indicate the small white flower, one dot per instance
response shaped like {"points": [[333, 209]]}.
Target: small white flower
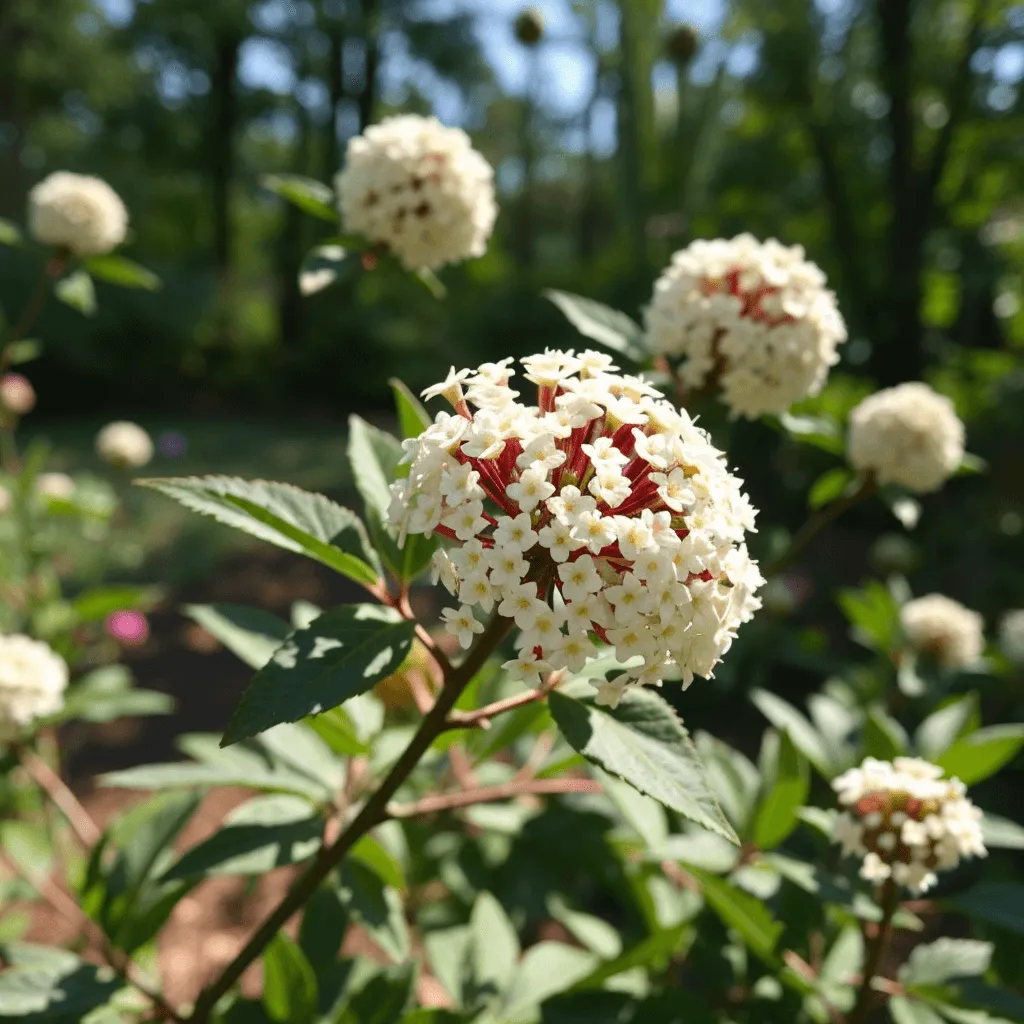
{"points": [[907, 435], [32, 683], [944, 630], [580, 578], [420, 189], [124, 445], [76, 212], [461, 624], [515, 532]]}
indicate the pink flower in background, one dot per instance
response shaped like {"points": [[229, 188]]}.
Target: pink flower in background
{"points": [[128, 627]]}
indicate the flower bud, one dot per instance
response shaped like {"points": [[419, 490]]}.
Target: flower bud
{"points": [[17, 396], [681, 43], [530, 26]]}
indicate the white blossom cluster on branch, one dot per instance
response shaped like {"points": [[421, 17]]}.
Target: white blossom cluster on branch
{"points": [[944, 630], [907, 435], [906, 821], [124, 444], [600, 509], [32, 682], [77, 212], [419, 189], [753, 318]]}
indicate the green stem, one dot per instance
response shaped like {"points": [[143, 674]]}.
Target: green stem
{"points": [[373, 812], [33, 307], [889, 901], [817, 523]]}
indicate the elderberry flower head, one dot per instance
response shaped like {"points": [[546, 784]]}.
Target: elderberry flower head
{"points": [[906, 821], [77, 212], [599, 509], [753, 317], [32, 682], [419, 189], [943, 629], [124, 444]]}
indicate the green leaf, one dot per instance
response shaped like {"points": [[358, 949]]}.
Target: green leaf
{"points": [[982, 753], [883, 736], [323, 928], [374, 456], [77, 291], [431, 282], [748, 916], [123, 272], [342, 653], [829, 486], [594, 933], [787, 719], [337, 730], [413, 419], [99, 602], [377, 907], [250, 634], [28, 845], [545, 970], [182, 775], [939, 961], [24, 350], [998, 903], [289, 984], [873, 615], [493, 948], [106, 694], [941, 729], [784, 792], [644, 815], [10, 233], [1001, 833], [912, 1011], [643, 742], [258, 836], [371, 852], [280, 514], [818, 431], [384, 999], [601, 323], [307, 194], [58, 989]]}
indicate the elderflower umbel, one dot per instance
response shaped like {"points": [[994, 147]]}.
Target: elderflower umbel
{"points": [[943, 629], [755, 317], [907, 435], [1011, 635], [124, 445], [600, 509], [32, 683], [906, 821], [76, 212], [419, 189]]}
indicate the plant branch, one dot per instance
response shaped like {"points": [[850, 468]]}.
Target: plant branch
{"points": [[889, 901], [481, 717], [818, 522], [64, 904], [490, 794], [423, 635], [54, 787], [373, 812]]}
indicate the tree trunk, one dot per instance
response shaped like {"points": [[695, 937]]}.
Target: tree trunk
{"points": [[371, 33], [224, 102], [336, 91], [898, 354]]}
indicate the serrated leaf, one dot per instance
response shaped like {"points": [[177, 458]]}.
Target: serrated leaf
{"points": [[280, 514], [747, 915], [123, 272], [77, 291], [251, 634], [998, 903], [258, 836], [937, 962], [787, 719], [982, 753], [308, 194], [601, 323], [342, 653], [289, 983], [643, 742], [784, 792], [374, 456]]}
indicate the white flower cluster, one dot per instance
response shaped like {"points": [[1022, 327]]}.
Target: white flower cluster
{"points": [[77, 212], [907, 435], [943, 629], [55, 485], [124, 445], [420, 189], [32, 683], [1011, 635], [755, 316], [906, 821], [601, 508]]}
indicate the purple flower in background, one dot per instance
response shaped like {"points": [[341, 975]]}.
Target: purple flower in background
{"points": [[128, 627], [171, 444]]}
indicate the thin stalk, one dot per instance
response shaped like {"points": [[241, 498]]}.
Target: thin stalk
{"points": [[889, 899], [55, 788], [372, 813], [33, 307], [490, 794]]}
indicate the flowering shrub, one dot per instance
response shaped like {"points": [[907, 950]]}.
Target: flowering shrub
{"points": [[489, 807]]}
